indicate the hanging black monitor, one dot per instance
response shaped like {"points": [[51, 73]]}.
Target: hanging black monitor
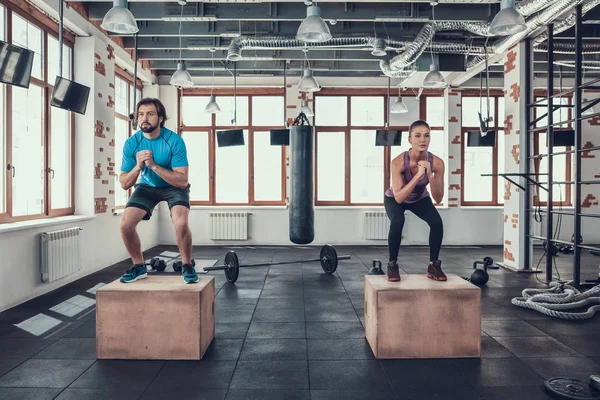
{"points": [[15, 65], [230, 137], [69, 95], [385, 137], [280, 137], [564, 138], [475, 139]]}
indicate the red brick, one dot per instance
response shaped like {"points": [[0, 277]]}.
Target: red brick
{"points": [[99, 94], [595, 121], [101, 149], [587, 154], [453, 119], [291, 106], [105, 182], [457, 172], [507, 242], [455, 140], [509, 65], [99, 129], [450, 157], [111, 52], [111, 144], [508, 125], [97, 56], [507, 186], [111, 85], [111, 191], [590, 200], [516, 92], [111, 102], [97, 171], [454, 187], [100, 68], [515, 153], [508, 255]]}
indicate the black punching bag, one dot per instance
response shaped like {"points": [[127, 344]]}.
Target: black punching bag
{"points": [[302, 214]]}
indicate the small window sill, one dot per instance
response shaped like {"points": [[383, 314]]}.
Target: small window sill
{"points": [[24, 225]]}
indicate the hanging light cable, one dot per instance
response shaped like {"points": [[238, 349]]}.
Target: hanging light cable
{"points": [[434, 79], [212, 106], [181, 77]]}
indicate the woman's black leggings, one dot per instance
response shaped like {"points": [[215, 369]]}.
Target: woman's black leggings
{"points": [[423, 209]]}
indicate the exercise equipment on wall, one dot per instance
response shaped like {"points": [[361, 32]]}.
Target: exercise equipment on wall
{"points": [[573, 389], [328, 258]]}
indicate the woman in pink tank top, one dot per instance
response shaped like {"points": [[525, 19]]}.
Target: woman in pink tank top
{"points": [[412, 171]]}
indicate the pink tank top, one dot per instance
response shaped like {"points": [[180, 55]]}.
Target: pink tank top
{"points": [[420, 190]]}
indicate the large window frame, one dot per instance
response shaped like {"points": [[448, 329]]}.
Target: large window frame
{"points": [[211, 130], [47, 28], [498, 126]]}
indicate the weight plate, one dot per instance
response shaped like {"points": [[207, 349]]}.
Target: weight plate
{"points": [[329, 259], [233, 266], [177, 265], [571, 389]]}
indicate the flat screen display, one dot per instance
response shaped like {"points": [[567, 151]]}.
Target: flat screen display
{"points": [[69, 95], [474, 139], [386, 137], [280, 137], [15, 65], [230, 137]]}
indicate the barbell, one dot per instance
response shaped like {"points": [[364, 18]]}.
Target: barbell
{"points": [[328, 258]]}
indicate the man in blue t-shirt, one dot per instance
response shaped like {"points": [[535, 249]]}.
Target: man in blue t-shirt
{"points": [[160, 155]]}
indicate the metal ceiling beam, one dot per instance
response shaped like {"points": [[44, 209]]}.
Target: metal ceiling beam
{"points": [[199, 55], [340, 11]]}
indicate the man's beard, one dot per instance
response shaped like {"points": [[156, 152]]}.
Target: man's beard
{"points": [[145, 127]]}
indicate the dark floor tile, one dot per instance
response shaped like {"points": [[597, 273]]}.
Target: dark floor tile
{"points": [[231, 330], [423, 372], [513, 393], [279, 315], [223, 349], [235, 394], [382, 394], [339, 349], [364, 375], [574, 328], [490, 348], [271, 375], [274, 349], [70, 348], [327, 330], [331, 315], [517, 328], [14, 347], [588, 345], [286, 302], [233, 315], [277, 330], [9, 363], [45, 373], [574, 367], [498, 372], [186, 392], [118, 374], [100, 394], [281, 293], [233, 292], [432, 390], [545, 346], [337, 302], [190, 377], [492, 311], [28, 393]]}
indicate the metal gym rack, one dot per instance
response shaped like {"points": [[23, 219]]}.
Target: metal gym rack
{"points": [[577, 119]]}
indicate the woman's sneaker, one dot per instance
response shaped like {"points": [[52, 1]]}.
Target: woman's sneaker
{"points": [[434, 271], [189, 273], [393, 271], [138, 271]]}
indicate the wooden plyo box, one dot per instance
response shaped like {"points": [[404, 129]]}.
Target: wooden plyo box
{"points": [[421, 318], [160, 317]]}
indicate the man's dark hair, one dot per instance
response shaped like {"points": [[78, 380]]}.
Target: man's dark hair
{"points": [[417, 124], [160, 109]]}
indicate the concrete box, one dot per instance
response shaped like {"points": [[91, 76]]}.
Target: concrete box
{"points": [[160, 317], [421, 318]]}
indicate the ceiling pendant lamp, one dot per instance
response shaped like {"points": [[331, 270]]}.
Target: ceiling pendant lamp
{"points": [[119, 19], [508, 20], [313, 29]]}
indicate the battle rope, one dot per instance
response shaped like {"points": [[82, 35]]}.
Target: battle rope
{"points": [[558, 298]]}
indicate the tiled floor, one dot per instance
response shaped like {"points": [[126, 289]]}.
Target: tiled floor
{"points": [[292, 332]]}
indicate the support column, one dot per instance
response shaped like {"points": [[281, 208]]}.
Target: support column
{"points": [[453, 100]]}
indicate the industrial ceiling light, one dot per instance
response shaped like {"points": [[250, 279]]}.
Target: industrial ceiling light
{"points": [[508, 21], [306, 109], [434, 78], [212, 106], [308, 82], [399, 107], [313, 29], [119, 19], [181, 77]]}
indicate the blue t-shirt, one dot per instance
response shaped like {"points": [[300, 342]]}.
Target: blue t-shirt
{"points": [[168, 151]]}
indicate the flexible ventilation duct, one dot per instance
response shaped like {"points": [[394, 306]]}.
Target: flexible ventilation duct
{"points": [[569, 48], [585, 64], [566, 23]]}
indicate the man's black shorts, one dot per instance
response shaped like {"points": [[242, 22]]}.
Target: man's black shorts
{"points": [[147, 197]]}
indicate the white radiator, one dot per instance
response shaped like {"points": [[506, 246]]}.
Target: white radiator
{"points": [[376, 225], [229, 225], [59, 254]]}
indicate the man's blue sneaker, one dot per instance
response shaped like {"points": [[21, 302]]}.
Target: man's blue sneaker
{"points": [[189, 273], [134, 273]]}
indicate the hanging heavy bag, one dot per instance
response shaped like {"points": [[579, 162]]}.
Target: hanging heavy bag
{"points": [[301, 212]]}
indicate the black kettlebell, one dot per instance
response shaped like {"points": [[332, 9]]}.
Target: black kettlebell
{"points": [[376, 269], [480, 277]]}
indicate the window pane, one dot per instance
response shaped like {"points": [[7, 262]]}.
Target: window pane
{"points": [[436, 111], [501, 164], [29, 36], [501, 116], [471, 107], [226, 103], [138, 97], [2, 151], [478, 160], [395, 151], [197, 144], [366, 110], [267, 111], [408, 118], [331, 162], [231, 172], [331, 111], [438, 147], [122, 128], [192, 111], [559, 115], [27, 151], [267, 168], [366, 168], [53, 57], [559, 171], [60, 157], [121, 88]]}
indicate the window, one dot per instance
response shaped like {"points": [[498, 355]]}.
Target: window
{"points": [[252, 174], [37, 139], [124, 105], [481, 190]]}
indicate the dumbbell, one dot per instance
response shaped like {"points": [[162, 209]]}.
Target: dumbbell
{"points": [[157, 264], [178, 265]]}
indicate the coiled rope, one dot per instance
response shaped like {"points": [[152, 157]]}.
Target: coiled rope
{"points": [[559, 298]]}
